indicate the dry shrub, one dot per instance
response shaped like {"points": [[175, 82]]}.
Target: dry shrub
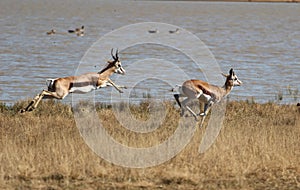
{"points": [[257, 148]]}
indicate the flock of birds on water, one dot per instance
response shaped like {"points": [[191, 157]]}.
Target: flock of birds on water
{"points": [[77, 31], [80, 31]]}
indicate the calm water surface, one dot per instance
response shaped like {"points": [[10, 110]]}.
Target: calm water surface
{"points": [[260, 41]]}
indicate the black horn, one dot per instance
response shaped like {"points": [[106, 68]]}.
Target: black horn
{"points": [[111, 52], [231, 72], [117, 57]]}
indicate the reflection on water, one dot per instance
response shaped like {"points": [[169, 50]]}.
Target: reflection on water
{"points": [[260, 41]]}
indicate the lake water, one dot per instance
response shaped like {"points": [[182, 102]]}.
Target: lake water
{"points": [[261, 41]]}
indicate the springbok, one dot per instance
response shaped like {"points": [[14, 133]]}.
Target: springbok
{"points": [[206, 93], [59, 88]]}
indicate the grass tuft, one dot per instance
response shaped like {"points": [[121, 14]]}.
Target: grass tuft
{"points": [[257, 148]]}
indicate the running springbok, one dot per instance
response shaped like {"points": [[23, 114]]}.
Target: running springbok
{"points": [[59, 88], [206, 93]]}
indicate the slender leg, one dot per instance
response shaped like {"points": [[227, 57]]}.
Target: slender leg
{"points": [[184, 102], [29, 107], [48, 94], [207, 107], [37, 99], [204, 114], [205, 110], [193, 113], [176, 96], [202, 121], [114, 85]]}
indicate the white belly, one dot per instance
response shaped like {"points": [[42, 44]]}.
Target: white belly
{"points": [[82, 89], [103, 85], [204, 98]]}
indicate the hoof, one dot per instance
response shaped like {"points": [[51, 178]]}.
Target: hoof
{"points": [[181, 114], [202, 114], [26, 110]]}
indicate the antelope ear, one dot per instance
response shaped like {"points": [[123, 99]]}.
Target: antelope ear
{"points": [[224, 75]]}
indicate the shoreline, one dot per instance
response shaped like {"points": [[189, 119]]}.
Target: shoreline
{"points": [[256, 1], [259, 1]]}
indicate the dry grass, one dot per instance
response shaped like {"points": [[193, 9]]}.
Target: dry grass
{"points": [[258, 148]]}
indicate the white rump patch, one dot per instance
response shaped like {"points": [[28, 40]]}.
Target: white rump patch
{"points": [[50, 83], [178, 88]]}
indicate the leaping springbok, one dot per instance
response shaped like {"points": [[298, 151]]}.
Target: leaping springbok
{"points": [[59, 88], [206, 93]]}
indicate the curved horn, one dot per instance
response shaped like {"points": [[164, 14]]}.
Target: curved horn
{"points": [[117, 57], [231, 72], [112, 55]]}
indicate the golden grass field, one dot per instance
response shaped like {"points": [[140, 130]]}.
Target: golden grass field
{"points": [[257, 148]]}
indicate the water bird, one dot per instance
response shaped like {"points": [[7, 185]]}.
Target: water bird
{"points": [[78, 31], [174, 31], [153, 31], [51, 32]]}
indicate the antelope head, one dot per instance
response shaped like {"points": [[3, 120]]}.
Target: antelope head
{"points": [[232, 79], [116, 63]]}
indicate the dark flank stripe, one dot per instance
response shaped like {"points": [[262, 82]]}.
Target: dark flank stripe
{"points": [[79, 84], [206, 91]]}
